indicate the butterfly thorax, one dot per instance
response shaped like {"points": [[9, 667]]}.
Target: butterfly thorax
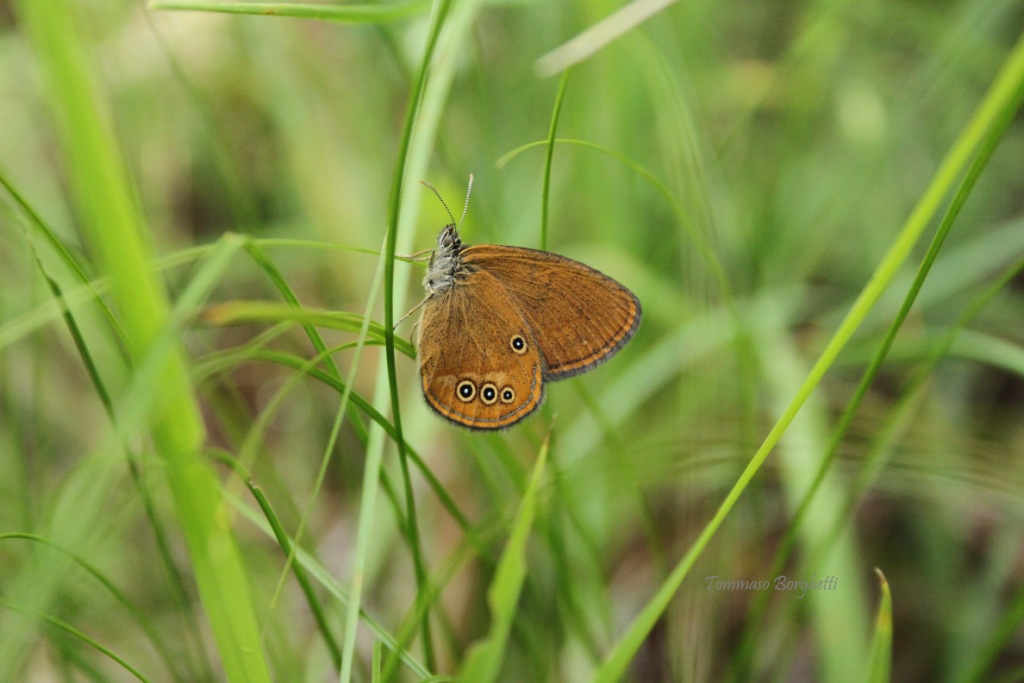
{"points": [[445, 263]]}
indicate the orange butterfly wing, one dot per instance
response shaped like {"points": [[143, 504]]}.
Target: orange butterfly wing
{"points": [[579, 316], [479, 363]]}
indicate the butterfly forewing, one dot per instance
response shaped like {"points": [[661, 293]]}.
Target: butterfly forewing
{"points": [[578, 316]]}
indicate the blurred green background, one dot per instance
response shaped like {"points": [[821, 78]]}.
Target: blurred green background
{"points": [[743, 167]]}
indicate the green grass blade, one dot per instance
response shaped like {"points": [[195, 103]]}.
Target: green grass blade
{"points": [[423, 113], [244, 312], [327, 579], [705, 248], [71, 630], [371, 474], [143, 623], [115, 230], [483, 661], [272, 271], [40, 226], [598, 36], [350, 14], [156, 523], [986, 148], [880, 659], [1002, 95], [298, 570], [549, 154], [270, 268]]}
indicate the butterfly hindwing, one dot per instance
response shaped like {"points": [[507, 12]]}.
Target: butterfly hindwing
{"points": [[480, 366]]}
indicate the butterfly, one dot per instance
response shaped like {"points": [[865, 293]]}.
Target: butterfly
{"points": [[501, 322]]}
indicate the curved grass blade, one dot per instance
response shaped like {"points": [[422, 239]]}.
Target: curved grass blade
{"points": [[115, 229], [483, 662], [350, 14], [155, 522], [549, 154], [68, 628], [1003, 94], [145, 626], [987, 147], [65, 255], [599, 35], [388, 372], [242, 312], [880, 661], [326, 579]]}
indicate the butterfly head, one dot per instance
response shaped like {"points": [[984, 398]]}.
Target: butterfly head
{"points": [[449, 240]]}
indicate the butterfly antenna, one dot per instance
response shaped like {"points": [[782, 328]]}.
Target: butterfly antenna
{"points": [[440, 199], [465, 206]]}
